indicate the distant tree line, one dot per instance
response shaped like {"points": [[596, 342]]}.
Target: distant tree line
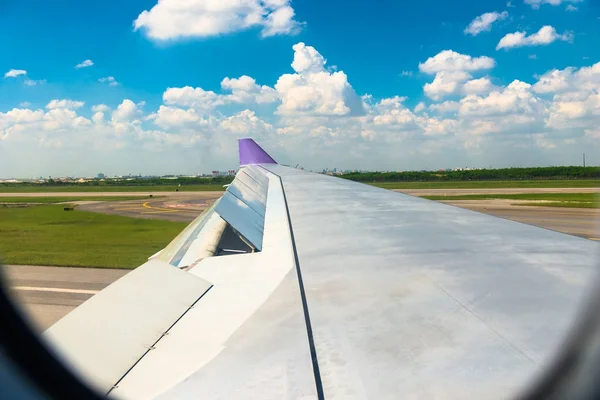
{"points": [[220, 180], [503, 174]]}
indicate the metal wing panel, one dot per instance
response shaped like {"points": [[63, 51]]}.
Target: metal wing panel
{"points": [[242, 218], [257, 174], [415, 297], [105, 336], [247, 192], [255, 345]]}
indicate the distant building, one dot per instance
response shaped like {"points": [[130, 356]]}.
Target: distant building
{"points": [[101, 176], [223, 173]]}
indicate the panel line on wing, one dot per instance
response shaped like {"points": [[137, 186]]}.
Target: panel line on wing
{"points": [[309, 331], [116, 385]]}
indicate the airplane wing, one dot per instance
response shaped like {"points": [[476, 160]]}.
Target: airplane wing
{"points": [[298, 285]]}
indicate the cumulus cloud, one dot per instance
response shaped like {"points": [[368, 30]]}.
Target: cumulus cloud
{"points": [[453, 74], [445, 107], [109, 80], [64, 103], [126, 111], [546, 35], [483, 23], [314, 90], [13, 73], [247, 123], [575, 95], [100, 108], [517, 97], [449, 60], [84, 64], [420, 107], [174, 19], [315, 118], [174, 117], [446, 83], [569, 79], [535, 4], [190, 97], [245, 90]]}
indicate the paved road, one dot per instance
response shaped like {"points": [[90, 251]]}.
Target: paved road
{"points": [[46, 294]]}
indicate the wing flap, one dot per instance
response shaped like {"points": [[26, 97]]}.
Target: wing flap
{"points": [[108, 334]]}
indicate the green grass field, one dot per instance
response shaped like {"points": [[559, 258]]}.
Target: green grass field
{"points": [[562, 204], [65, 199], [489, 184], [572, 200], [74, 188], [47, 235]]}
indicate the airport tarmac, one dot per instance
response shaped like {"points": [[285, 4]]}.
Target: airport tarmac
{"points": [[48, 293], [184, 207]]}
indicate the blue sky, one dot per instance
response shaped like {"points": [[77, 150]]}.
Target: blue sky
{"points": [[380, 110]]}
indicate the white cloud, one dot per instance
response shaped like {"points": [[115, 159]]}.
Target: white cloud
{"points": [[84, 64], [569, 79], [478, 86], [532, 57], [500, 125], [576, 99], [452, 74], [446, 83], [484, 22], [406, 73], [571, 7], [126, 111], [13, 73], [25, 104], [174, 19], [190, 97], [100, 108], [57, 119], [535, 4], [65, 103], [173, 117], [445, 107], [247, 123], [546, 35], [110, 80], [515, 98], [420, 107], [313, 90], [448, 60], [245, 90], [31, 82]]}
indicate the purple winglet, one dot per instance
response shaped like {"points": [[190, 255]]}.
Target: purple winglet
{"points": [[252, 153]]}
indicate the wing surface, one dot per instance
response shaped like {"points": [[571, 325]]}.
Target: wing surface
{"points": [[326, 288]]}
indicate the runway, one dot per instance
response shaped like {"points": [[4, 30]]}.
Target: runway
{"points": [[46, 294]]}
